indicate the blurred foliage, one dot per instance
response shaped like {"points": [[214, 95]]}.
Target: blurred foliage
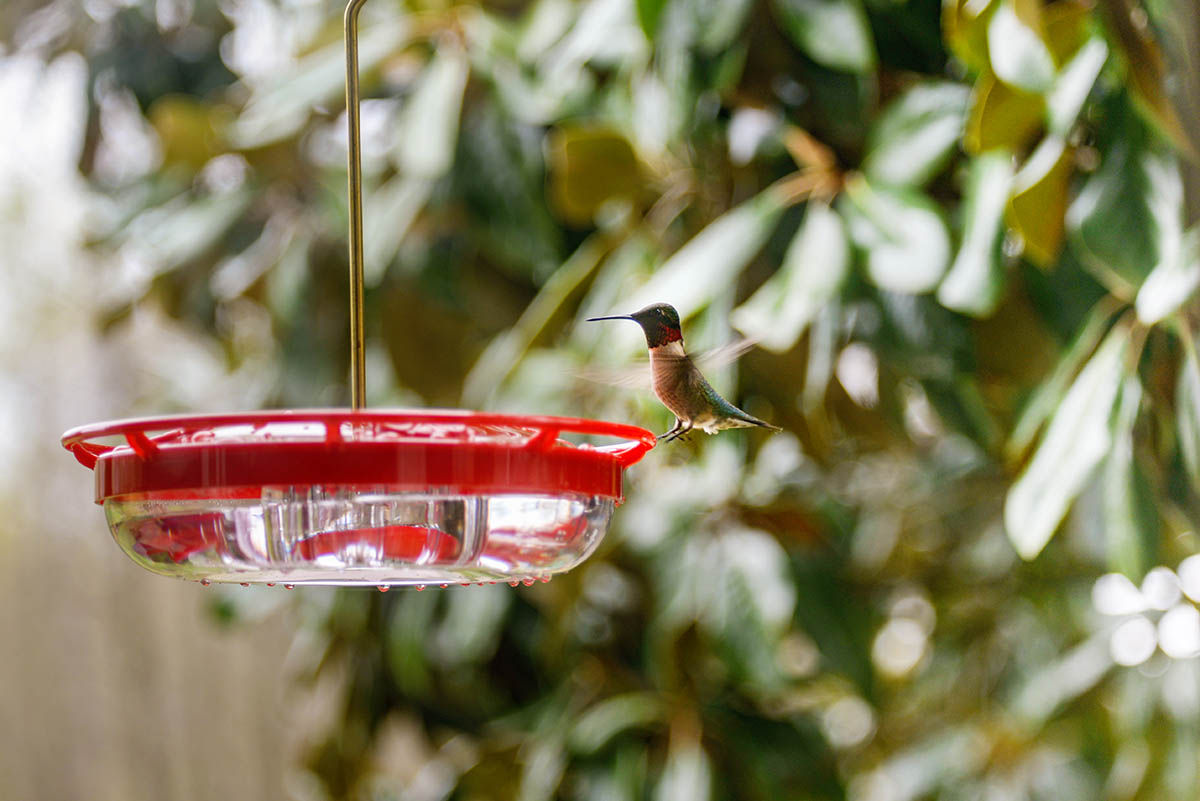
{"points": [[957, 233]]}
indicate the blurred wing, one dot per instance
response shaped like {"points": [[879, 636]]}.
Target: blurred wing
{"points": [[634, 376], [723, 355]]}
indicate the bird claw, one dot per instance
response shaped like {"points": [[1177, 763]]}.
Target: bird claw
{"points": [[678, 432]]}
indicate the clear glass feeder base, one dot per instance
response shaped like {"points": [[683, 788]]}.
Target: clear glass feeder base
{"points": [[351, 536]]}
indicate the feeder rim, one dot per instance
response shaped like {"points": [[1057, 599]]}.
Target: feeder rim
{"points": [[80, 440]]}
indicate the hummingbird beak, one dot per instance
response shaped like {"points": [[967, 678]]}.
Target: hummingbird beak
{"points": [[613, 317]]}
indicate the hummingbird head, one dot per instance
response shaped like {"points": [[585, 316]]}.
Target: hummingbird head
{"points": [[659, 322]]}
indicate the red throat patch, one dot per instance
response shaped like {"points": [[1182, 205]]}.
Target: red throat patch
{"points": [[663, 335]]}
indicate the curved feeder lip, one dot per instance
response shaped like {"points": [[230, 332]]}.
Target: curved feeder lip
{"points": [[358, 497]]}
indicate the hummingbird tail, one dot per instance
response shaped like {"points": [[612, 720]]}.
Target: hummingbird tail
{"points": [[750, 420]]}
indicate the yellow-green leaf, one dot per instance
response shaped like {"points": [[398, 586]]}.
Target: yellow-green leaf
{"points": [[1001, 116], [964, 29], [191, 131], [1065, 28], [1039, 200], [590, 167]]}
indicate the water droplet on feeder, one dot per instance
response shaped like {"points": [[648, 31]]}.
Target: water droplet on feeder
{"points": [[420, 587], [514, 583], [528, 582], [270, 584], [383, 588], [545, 579], [464, 584], [244, 583], [444, 586], [204, 582], [289, 586]]}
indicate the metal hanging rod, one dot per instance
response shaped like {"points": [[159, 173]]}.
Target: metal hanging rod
{"points": [[358, 367]]}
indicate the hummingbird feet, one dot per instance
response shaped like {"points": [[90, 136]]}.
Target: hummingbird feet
{"points": [[680, 429]]}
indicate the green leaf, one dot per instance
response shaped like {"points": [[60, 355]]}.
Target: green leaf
{"points": [[974, 282], [648, 13], [1187, 407], [901, 233], [281, 106], [471, 629], [747, 600], [710, 262], [542, 768], [833, 33], [428, 126], [1147, 72], [497, 361], [687, 774], [1018, 55], [1062, 681], [605, 720], [719, 22], [1073, 85], [389, 212], [1172, 282], [1047, 397], [915, 136], [1129, 516], [1128, 217], [1077, 439], [407, 643], [814, 268], [183, 229], [823, 343]]}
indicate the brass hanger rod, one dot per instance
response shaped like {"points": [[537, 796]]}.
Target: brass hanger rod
{"points": [[358, 367]]}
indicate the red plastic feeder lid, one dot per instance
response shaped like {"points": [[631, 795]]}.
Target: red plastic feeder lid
{"points": [[236, 455]]}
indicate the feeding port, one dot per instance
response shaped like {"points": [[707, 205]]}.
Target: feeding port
{"points": [[353, 497]]}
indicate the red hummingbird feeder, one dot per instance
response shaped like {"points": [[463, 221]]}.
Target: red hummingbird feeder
{"points": [[357, 497]]}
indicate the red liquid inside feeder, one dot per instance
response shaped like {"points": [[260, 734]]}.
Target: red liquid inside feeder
{"points": [[354, 497]]}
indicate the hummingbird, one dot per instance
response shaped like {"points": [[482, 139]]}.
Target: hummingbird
{"points": [[676, 380]]}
